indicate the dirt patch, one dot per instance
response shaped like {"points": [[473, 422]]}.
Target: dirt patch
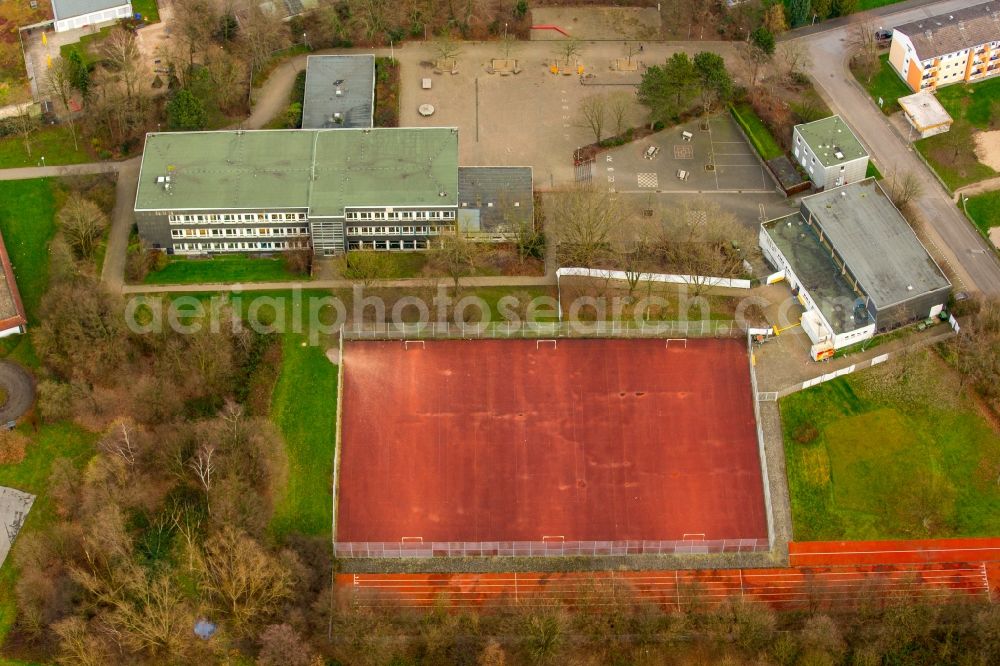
{"points": [[988, 148], [591, 23]]}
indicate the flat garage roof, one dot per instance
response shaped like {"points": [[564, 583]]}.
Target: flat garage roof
{"points": [[338, 87], [876, 242]]}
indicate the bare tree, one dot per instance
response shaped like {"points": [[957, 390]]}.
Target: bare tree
{"points": [[25, 125], [193, 24], [247, 583], [569, 48], [446, 50], [795, 56], [122, 55], [618, 107], [594, 114], [700, 240], [902, 187], [228, 79], [203, 466], [82, 223], [457, 256], [58, 83], [754, 58], [120, 441], [261, 35], [863, 43], [579, 223]]}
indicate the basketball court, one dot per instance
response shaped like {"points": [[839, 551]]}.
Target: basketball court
{"points": [[551, 442]]}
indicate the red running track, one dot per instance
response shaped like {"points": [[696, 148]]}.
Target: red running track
{"points": [[825, 575], [808, 553], [518, 440]]}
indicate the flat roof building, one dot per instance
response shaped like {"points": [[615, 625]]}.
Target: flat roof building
{"points": [[925, 114], [494, 201], [829, 152], [12, 317], [73, 14], [957, 46], [339, 91], [855, 265], [331, 189]]}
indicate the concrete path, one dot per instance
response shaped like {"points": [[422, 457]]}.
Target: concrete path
{"points": [[487, 281], [113, 272], [25, 173], [954, 238], [981, 187]]}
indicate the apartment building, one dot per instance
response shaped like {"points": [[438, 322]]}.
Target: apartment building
{"points": [[959, 46]]}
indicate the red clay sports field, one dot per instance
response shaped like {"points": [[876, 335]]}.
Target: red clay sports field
{"points": [[470, 443]]}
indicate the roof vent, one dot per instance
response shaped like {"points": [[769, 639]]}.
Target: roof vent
{"points": [[909, 287], [339, 92], [838, 154], [843, 194], [442, 193]]}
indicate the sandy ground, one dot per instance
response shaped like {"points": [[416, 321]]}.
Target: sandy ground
{"points": [[995, 236], [988, 149], [597, 22]]}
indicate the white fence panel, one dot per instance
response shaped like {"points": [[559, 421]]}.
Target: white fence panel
{"points": [[732, 283]]}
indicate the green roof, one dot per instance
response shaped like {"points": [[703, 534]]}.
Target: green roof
{"points": [[323, 170], [828, 136]]}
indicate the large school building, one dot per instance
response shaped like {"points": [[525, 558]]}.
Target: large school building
{"points": [[329, 189]]}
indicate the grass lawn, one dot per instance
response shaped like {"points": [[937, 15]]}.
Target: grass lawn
{"points": [[32, 475], [970, 102], [27, 221], [984, 209], [885, 84], [873, 171], [891, 452], [150, 12], [89, 45], [759, 135], [222, 269], [304, 408], [964, 169], [55, 144], [870, 4]]}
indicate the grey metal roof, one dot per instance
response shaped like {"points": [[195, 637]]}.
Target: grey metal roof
{"points": [[875, 242], [353, 76], [502, 195], [64, 9], [954, 31]]}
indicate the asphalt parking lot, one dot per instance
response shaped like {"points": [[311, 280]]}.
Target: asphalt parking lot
{"points": [[688, 159]]}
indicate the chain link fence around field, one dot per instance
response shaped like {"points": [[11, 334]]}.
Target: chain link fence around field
{"points": [[544, 330], [551, 548]]}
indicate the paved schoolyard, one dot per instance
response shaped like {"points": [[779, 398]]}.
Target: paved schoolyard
{"points": [[531, 118], [14, 507], [716, 159]]}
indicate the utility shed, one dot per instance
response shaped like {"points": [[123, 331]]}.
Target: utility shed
{"points": [[829, 152], [339, 91], [925, 114]]}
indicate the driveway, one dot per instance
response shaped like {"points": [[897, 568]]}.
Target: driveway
{"points": [[949, 233]]}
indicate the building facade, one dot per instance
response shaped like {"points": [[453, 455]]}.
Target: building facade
{"points": [[829, 152], [74, 14], [962, 46], [854, 264]]}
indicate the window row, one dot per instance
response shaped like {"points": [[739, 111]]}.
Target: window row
{"points": [[389, 245], [239, 247], [403, 215], [235, 218], [395, 231], [252, 232]]}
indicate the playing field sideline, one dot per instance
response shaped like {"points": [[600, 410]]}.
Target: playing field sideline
{"points": [[525, 440]]}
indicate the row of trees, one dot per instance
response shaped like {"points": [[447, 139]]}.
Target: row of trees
{"points": [[592, 228]]}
